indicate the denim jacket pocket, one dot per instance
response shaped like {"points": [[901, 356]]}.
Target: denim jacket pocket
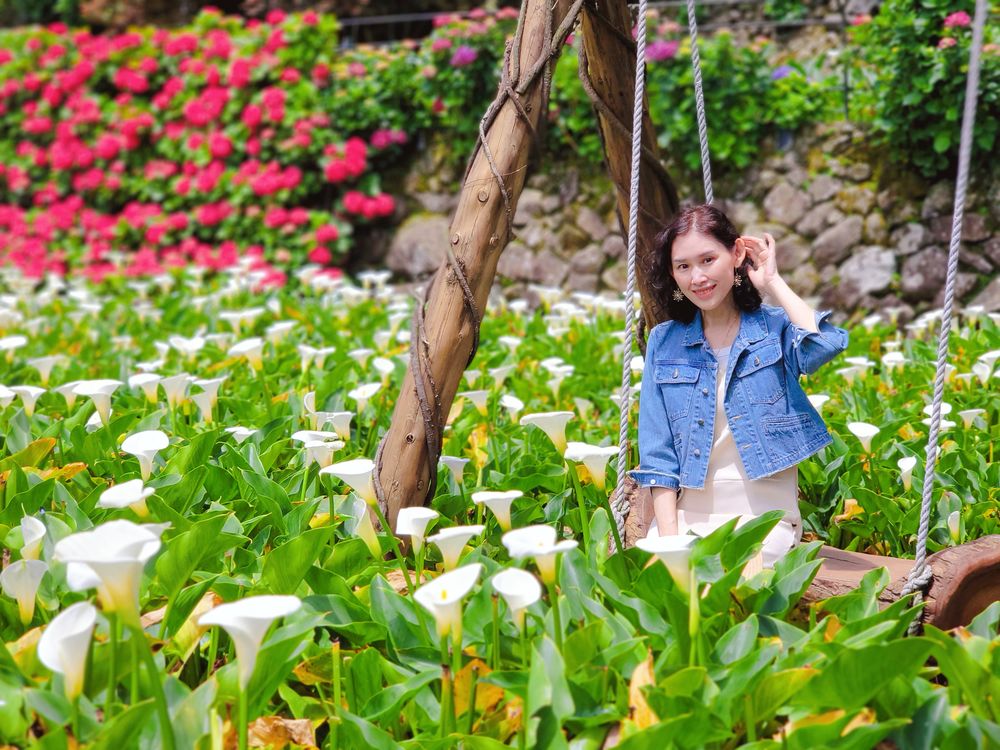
{"points": [[677, 382], [762, 374]]}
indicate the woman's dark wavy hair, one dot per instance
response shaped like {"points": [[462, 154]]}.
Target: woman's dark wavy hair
{"points": [[708, 220]]}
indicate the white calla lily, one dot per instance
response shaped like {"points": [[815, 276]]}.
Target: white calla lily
{"points": [[594, 457], [479, 399], [863, 432], [252, 350], [499, 504], [906, 465], [115, 552], [538, 542], [240, 433], [359, 523], [363, 394], [247, 621], [454, 464], [29, 395], [45, 365], [20, 581], [442, 597], [818, 400], [674, 552], [144, 446], [969, 415], [552, 423], [131, 494], [955, 526], [65, 643], [451, 542], [175, 388], [519, 589], [98, 391], [413, 522], [32, 536], [148, 382], [357, 474]]}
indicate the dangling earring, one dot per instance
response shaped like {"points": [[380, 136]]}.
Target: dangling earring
{"points": [[678, 295], [737, 279]]}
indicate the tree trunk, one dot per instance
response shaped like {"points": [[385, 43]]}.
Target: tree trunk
{"points": [[609, 53], [479, 232]]}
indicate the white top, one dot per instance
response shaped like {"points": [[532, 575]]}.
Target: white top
{"points": [[728, 491]]}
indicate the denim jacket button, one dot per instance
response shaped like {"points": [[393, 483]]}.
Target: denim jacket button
{"points": [[704, 391], [676, 373], [652, 481], [701, 421], [756, 360], [697, 452]]}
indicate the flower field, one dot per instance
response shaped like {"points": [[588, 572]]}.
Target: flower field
{"points": [[189, 548]]}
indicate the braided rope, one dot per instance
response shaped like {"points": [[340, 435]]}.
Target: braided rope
{"points": [[921, 575], [620, 506], [699, 100]]}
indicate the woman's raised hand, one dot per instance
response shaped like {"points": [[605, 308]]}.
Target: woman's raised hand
{"points": [[764, 265]]}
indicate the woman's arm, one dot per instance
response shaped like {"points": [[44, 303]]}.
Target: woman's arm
{"points": [[665, 510], [764, 275]]}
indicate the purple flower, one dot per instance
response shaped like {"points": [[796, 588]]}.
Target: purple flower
{"points": [[463, 55], [662, 50], [782, 71]]}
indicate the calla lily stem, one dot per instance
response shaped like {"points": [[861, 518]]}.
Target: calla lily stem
{"points": [[335, 726], [153, 673], [556, 616], [113, 631], [495, 653], [584, 519], [244, 720], [447, 711], [694, 618]]}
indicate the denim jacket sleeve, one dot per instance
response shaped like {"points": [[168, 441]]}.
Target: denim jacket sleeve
{"points": [[658, 462], [806, 351]]}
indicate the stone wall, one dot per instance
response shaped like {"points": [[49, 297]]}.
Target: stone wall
{"points": [[852, 234]]}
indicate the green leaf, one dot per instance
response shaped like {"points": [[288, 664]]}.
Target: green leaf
{"points": [[360, 733], [547, 684], [287, 565], [124, 728]]}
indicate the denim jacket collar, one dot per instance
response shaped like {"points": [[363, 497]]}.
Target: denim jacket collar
{"points": [[753, 327]]}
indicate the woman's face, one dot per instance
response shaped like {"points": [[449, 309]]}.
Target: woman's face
{"points": [[704, 269]]}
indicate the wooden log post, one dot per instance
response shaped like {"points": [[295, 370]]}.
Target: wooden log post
{"points": [[446, 326], [607, 70]]}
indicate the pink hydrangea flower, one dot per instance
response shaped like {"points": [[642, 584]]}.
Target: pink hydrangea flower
{"points": [[958, 19]]}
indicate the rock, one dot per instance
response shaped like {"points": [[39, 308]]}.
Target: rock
{"points": [[900, 212], [418, 246], [614, 277], [875, 229], [974, 227], [548, 269], [973, 259], [852, 170], [589, 260], [793, 251], [940, 199], [964, 284], [860, 7], [437, 203], [767, 179], [759, 230], [855, 200], [569, 186], [516, 262], [528, 205], [909, 238], [804, 279], [742, 213], [991, 249], [797, 177], [551, 203], [572, 238], [824, 187], [867, 271], [923, 274], [989, 297], [537, 235], [818, 218], [785, 204], [833, 245], [591, 223], [582, 282], [614, 246]]}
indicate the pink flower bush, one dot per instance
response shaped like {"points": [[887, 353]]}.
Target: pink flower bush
{"points": [[956, 20]]}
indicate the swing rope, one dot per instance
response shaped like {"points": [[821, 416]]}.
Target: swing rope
{"points": [[699, 101], [621, 506], [921, 575]]}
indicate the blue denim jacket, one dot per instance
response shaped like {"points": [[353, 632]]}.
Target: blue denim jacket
{"points": [[769, 414]]}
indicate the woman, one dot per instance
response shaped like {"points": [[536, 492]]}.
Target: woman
{"points": [[723, 420]]}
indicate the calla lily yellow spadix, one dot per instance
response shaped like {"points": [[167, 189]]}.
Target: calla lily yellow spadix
{"points": [[442, 597], [246, 621], [65, 642]]}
